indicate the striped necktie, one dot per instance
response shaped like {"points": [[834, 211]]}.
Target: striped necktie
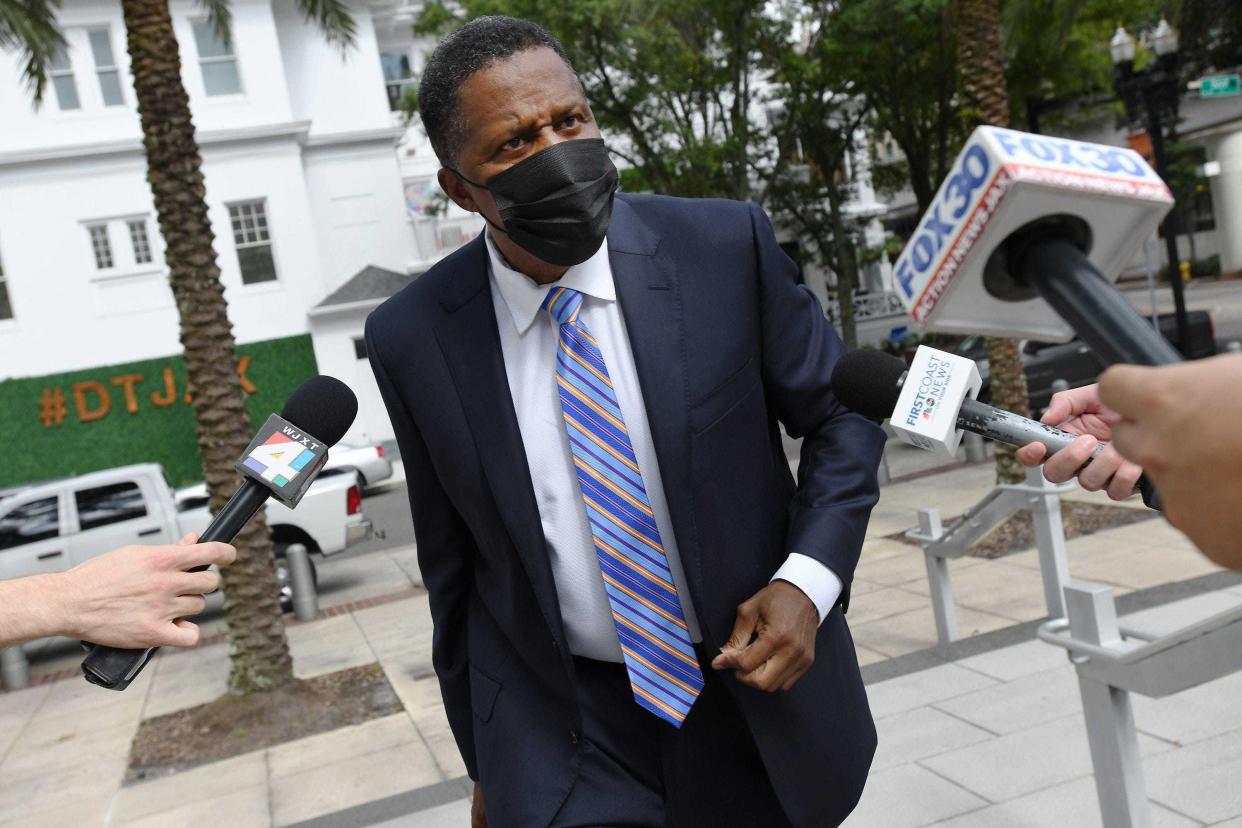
{"points": [[655, 641]]}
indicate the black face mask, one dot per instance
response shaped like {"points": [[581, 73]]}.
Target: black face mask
{"points": [[556, 204]]}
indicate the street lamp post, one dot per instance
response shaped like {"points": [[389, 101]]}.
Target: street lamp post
{"points": [[1150, 95]]}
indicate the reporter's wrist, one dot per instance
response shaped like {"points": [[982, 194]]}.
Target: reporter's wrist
{"points": [[63, 606]]}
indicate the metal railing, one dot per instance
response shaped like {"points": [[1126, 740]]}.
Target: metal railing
{"points": [[940, 545], [1114, 660]]}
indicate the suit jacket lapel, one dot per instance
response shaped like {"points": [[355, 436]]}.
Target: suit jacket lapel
{"points": [[470, 343], [651, 303]]}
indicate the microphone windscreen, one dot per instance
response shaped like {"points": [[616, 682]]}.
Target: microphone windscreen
{"points": [[323, 407], [866, 382]]}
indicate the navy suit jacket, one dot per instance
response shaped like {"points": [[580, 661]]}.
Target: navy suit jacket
{"points": [[726, 345]]}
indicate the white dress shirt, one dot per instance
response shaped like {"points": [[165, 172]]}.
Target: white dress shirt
{"points": [[528, 341]]}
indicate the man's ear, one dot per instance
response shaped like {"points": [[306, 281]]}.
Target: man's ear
{"points": [[456, 188]]}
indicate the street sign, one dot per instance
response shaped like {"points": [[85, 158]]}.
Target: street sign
{"points": [[1220, 86]]}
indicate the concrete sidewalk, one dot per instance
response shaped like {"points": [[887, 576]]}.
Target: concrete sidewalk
{"points": [[65, 745], [992, 739], [998, 739]]}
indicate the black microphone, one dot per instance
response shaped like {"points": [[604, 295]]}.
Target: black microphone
{"points": [[282, 461], [870, 382]]}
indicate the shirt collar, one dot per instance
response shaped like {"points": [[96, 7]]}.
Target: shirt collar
{"points": [[524, 296]]}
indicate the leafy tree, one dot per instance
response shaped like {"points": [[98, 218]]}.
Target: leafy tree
{"points": [[29, 28], [1211, 33], [817, 115], [901, 58], [257, 644]]}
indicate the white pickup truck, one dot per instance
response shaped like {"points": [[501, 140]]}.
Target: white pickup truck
{"points": [[53, 526]]}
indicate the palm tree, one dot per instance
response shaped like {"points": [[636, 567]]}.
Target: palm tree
{"points": [[981, 64], [257, 645]]}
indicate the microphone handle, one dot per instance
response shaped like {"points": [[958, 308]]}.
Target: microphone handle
{"points": [[1005, 427], [237, 512], [113, 667]]}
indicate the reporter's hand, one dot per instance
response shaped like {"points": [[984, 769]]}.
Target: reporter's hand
{"points": [[782, 621], [138, 596], [1080, 411], [478, 812], [1181, 422]]}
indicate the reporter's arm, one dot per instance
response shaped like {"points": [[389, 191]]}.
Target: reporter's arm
{"points": [[32, 608], [133, 597], [1181, 422]]}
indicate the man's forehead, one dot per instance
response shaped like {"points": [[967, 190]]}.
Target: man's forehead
{"points": [[515, 89]]}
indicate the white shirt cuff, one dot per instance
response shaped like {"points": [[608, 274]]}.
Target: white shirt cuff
{"points": [[819, 582]]}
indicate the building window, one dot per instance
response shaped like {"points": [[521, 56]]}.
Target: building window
{"points": [[61, 73], [119, 258], [6, 308], [397, 76], [254, 243], [360, 348], [141, 242], [105, 68], [101, 246], [217, 61]]}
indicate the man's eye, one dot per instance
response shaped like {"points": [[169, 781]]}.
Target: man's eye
{"points": [[514, 143], [571, 122]]}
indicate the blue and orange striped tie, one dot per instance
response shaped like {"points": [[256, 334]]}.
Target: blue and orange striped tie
{"points": [[655, 641]]}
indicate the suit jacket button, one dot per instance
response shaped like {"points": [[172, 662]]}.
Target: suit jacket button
{"points": [[573, 737]]}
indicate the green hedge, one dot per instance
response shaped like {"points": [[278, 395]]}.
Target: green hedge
{"points": [[37, 447]]}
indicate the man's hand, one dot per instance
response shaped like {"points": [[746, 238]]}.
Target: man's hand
{"points": [[138, 596], [773, 641], [1181, 422], [1079, 411], [478, 812]]}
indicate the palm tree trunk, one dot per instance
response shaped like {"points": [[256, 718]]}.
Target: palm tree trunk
{"points": [[981, 63], [257, 645]]}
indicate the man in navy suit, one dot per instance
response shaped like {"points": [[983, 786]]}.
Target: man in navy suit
{"points": [[639, 616]]}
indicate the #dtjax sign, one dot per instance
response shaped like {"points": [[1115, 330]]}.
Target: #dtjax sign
{"points": [[1001, 181], [934, 389], [283, 458]]}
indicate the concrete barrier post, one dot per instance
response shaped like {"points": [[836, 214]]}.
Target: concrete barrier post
{"points": [[305, 598], [14, 668], [976, 448], [882, 474]]}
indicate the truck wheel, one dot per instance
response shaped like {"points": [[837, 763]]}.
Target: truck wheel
{"points": [[284, 582]]}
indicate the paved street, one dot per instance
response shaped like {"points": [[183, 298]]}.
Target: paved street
{"points": [[389, 511], [1223, 300]]}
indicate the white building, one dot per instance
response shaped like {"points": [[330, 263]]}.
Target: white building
{"points": [[311, 179]]}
